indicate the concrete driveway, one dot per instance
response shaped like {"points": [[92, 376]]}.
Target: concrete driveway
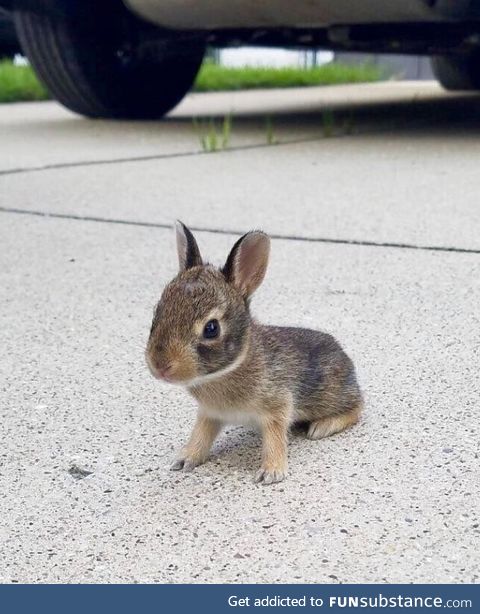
{"points": [[376, 218]]}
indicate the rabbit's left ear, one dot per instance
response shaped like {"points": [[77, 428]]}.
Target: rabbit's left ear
{"points": [[247, 262], [187, 248]]}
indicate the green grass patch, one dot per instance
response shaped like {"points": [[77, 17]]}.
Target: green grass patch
{"points": [[216, 78], [19, 83], [213, 136]]}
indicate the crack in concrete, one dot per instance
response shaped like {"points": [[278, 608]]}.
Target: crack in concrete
{"points": [[223, 231], [150, 157]]}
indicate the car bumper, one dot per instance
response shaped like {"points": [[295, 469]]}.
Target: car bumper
{"points": [[218, 14]]}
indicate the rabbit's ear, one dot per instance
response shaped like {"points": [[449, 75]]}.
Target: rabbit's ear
{"points": [[187, 248], [247, 262]]}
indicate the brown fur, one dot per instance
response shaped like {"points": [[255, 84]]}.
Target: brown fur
{"points": [[264, 375]]}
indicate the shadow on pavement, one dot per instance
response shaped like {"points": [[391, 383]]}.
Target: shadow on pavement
{"points": [[432, 115]]}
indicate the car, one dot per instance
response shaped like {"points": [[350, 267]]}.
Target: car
{"points": [[138, 58]]}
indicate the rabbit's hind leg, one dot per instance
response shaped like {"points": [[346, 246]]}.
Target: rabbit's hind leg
{"points": [[333, 424]]}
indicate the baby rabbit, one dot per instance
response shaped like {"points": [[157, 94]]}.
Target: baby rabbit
{"points": [[203, 337]]}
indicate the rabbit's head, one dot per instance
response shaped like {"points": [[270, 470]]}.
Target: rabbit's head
{"points": [[201, 325]]}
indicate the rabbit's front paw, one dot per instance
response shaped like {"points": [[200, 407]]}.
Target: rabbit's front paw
{"points": [[270, 476], [185, 464]]}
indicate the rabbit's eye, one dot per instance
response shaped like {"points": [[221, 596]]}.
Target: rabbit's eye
{"points": [[211, 329]]}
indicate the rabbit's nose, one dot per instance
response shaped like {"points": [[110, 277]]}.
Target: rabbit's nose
{"points": [[165, 372]]}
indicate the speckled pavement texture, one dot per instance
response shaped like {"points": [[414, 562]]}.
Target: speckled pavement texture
{"points": [[87, 435]]}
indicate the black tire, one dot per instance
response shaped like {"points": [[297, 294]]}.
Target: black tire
{"points": [[9, 44], [91, 61], [457, 72]]}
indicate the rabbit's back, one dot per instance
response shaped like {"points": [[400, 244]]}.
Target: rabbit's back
{"points": [[313, 366]]}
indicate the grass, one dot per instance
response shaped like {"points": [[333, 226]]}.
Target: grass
{"points": [[216, 78], [270, 133], [19, 83], [328, 122], [211, 137]]}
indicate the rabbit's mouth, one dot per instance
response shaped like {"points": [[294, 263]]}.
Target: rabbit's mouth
{"points": [[170, 372], [164, 375], [157, 372]]}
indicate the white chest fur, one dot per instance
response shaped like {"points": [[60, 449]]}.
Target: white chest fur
{"points": [[232, 416]]}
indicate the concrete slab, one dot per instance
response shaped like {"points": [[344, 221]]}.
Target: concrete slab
{"points": [[42, 134], [392, 500], [415, 188], [312, 99]]}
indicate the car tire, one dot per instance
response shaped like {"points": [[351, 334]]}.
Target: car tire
{"points": [[91, 63], [457, 72], [8, 38]]}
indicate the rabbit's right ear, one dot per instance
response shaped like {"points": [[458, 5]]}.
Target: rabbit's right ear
{"points": [[187, 248], [247, 263]]}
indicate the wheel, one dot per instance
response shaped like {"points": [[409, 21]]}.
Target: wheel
{"points": [[457, 72], [107, 63], [9, 44]]}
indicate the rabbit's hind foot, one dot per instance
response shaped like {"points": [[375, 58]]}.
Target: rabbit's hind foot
{"points": [[333, 424]]}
